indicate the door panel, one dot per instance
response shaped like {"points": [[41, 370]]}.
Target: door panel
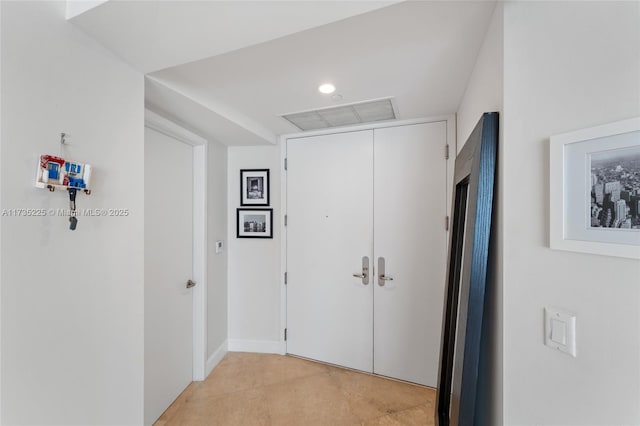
{"points": [[330, 229], [409, 211], [168, 233]]}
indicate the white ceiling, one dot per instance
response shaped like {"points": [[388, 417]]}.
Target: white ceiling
{"points": [[231, 129], [156, 34], [419, 52]]}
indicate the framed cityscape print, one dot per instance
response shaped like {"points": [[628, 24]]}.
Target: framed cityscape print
{"points": [[254, 187], [595, 190], [254, 223]]}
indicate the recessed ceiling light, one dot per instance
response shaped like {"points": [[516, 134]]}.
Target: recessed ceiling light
{"points": [[327, 88]]}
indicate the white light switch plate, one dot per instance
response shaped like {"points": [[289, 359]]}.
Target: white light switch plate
{"points": [[219, 246], [560, 330]]}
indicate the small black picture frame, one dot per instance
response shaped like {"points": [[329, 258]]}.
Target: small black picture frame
{"points": [[254, 223], [254, 187], [474, 175]]}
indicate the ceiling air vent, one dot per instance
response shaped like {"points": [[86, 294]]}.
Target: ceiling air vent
{"points": [[343, 115]]}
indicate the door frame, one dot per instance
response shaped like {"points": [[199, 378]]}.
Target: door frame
{"points": [[167, 127], [283, 140]]}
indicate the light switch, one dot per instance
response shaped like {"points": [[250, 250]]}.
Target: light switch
{"points": [[560, 330], [219, 246]]}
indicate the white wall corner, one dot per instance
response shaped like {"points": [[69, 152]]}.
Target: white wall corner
{"points": [[484, 91], [256, 346], [216, 357]]}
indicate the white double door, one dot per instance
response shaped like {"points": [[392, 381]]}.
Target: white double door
{"points": [[379, 195]]}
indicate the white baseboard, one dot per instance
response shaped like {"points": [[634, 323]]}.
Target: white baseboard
{"points": [[217, 356], [257, 346]]}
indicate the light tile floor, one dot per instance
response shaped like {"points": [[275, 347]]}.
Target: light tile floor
{"points": [[260, 389]]}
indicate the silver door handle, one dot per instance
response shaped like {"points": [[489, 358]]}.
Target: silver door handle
{"points": [[191, 284], [381, 268], [364, 276]]}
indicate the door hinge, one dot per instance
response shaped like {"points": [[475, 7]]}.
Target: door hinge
{"points": [[285, 220], [446, 152], [285, 278], [285, 164], [446, 223], [285, 334]]}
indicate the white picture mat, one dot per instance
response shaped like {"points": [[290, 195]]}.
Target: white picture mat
{"points": [[268, 221], [265, 187], [577, 187], [570, 174]]}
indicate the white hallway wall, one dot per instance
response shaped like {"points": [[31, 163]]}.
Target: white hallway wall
{"points": [[217, 295], [72, 302], [484, 94], [254, 264], [568, 65]]}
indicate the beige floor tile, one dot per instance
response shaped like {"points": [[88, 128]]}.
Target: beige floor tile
{"points": [[233, 357], [241, 408], [234, 375], [371, 396], [283, 368], [312, 400], [175, 408], [261, 389], [416, 416]]}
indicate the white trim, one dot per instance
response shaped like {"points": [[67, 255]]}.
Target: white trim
{"points": [[557, 189], [217, 356], [283, 244], [451, 140], [169, 128], [256, 346], [1, 223], [200, 262]]}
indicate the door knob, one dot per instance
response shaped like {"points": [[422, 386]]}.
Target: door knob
{"points": [[364, 276], [191, 284]]}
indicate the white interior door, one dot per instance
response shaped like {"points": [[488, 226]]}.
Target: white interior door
{"points": [[329, 231], [410, 208], [168, 309]]}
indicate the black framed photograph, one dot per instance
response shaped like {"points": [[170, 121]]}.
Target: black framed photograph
{"points": [[254, 187], [254, 223]]}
